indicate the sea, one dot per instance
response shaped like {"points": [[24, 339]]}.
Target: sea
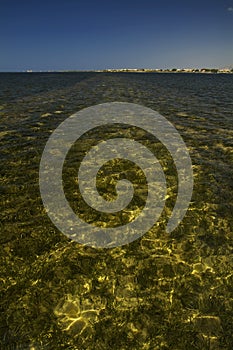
{"points": [[161, 291]]}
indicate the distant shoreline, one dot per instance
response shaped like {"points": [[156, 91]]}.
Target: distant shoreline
{"points": [[164, 71], [134, 70], [175, 71]]}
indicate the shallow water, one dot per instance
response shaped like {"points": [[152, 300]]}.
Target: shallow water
{"points": [[163, 291]]}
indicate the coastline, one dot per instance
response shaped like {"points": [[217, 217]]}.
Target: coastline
{"points": [[136, 70], [173, 70]]}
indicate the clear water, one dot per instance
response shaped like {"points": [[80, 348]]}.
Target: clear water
{"points": [[160, 292]]}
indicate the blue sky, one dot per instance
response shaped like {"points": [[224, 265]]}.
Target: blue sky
{"points": [[98, 34]]}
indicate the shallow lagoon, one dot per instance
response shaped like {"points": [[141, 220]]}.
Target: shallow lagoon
{"points": [[163, 291]]}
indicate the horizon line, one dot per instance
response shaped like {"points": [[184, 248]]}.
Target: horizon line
{"points": [[105, 70]]}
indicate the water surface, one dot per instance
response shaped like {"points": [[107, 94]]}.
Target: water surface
{"points": [[163, 291]]}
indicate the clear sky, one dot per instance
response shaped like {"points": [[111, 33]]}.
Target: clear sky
{"points": [[98, 34]]}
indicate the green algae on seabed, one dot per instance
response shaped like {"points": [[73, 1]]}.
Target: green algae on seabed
{"points": [[160, 292]]}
